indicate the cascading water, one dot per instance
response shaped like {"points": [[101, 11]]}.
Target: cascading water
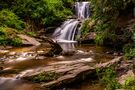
{"points": [[66, 32], [82, 10]]}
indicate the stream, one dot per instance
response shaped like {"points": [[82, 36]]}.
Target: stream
{"points": [[14, 61], [20, 59]]}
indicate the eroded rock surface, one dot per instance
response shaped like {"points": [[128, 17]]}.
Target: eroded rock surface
{"points": [[27, 40], [67, 71]]}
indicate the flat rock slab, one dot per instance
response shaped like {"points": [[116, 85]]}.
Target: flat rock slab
{"points": [[68, 71], [27, 40]]}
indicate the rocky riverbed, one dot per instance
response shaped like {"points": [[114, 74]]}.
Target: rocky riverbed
{"points": [[24, 63]]}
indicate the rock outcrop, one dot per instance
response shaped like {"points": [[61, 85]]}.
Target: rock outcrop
{"points": [[27, 40], [66, 72]]}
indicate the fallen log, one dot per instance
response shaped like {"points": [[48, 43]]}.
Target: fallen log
{"points": [[67, 72], [55, 47]]}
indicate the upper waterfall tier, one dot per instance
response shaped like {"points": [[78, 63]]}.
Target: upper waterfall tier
{"points": [[82, 9], [66, 32]]}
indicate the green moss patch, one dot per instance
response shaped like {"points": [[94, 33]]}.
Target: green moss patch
{"points": [[43, 77]]}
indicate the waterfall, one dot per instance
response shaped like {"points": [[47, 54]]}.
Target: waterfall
{"points": [[66, 32], [82, 10]]}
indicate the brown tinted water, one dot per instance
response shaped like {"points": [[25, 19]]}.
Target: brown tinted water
{"points": [[14, 84], [84, 85], [14, 67]]}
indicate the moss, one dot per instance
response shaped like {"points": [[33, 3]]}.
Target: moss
{"points": [[43, 77]]}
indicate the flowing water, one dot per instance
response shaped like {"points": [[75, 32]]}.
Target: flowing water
{"points": [[66, 31], [65, 34], [16, 60], [82, 10], [8, 77], [14, 84]]}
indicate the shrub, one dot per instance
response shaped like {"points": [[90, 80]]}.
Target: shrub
{"points": [[108, 78], [129, 51], [8, 37], [85, 28], [106, 13], [105, 33], [9, 19], [130, 83], [46, 12]]}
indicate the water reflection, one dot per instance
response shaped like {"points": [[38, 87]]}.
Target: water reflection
{"points": [[14, 84], [68, 47], [82, 52]]}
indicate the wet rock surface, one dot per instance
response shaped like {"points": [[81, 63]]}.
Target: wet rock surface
{"points": [[21, 62], [68, 71]]}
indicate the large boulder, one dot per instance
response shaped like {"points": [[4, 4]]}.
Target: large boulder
{"points": [[64, 72]]}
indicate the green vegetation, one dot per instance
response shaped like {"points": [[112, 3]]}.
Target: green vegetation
{"points": [[85, 28], [130, 83], [9, 19], [129, 48], [110, 25], [108, 78], [129, 51], [44, 12], [8, 36], [43, 77], [106, 13], [30, 16], [10, 25], [33, 34]]}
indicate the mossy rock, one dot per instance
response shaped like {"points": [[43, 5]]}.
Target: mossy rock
{"points": [[43, 77]]}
